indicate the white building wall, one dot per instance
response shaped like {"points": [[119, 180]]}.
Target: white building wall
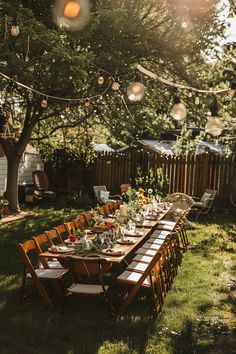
{"points": [[29, 163]]}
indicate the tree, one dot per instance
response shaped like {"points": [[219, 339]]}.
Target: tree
{"points": [[59, 63]]}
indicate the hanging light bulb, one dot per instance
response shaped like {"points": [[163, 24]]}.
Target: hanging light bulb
{"points": [[67, 107], [15, 28], [136, 91], [115, 86], [87, 103], [72, 15], [9, 98], [197, 100], [178, 111], [214, 126], [101, 78], [232, 89], [71, 9], [190, 94], [44, 102]]}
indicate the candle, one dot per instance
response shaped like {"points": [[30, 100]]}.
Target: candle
{"points": [[123, 210]]}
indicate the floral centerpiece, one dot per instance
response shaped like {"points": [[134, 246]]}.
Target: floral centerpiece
{"points": [[102, 241]]}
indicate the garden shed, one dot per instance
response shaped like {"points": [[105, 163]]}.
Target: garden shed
{"points": [[31, 161]]}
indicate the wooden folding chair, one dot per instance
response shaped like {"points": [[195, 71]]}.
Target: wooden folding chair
{"points": [[70, 226], [54, 237], [146, 277], [61, 232], [88, 278], [89, 220], [43, 242], [39, 276]]}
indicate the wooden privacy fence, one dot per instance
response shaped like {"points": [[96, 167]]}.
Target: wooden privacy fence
{"points": [[187, 174]]}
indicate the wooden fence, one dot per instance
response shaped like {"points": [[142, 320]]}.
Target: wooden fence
{"points": [[187, 174]]}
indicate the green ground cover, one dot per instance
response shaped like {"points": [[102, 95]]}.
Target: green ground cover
{"points": [[198, 314]]}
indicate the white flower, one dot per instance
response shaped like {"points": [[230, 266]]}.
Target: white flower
{"points": [[150, 191]]}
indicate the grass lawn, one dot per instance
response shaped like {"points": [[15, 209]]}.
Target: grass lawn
{"points": [[198, 315]]}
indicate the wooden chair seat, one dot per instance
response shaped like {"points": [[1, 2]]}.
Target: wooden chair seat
{"points": [[166, 222], [137, 267], [132, 278], [165, 227], [142, 258], [53, 264], [48, 273], [92, 289], [153, 246], [145, 251]]}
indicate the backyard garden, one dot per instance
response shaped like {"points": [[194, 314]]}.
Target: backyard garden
{"points": [[118, 176]]}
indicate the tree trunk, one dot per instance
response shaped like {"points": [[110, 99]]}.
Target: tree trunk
{"points": [[11, 195]]}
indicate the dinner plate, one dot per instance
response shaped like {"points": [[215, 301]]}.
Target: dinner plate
{"points": [[72, 243], [125, 242], [113, 253], [153, 218], [134, 233], [61, 249]]}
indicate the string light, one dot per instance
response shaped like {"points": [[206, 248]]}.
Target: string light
{"points": [[72, 15], [101, 78], [136, 91], [15, 31], [214, 126], [67, 107], [44, 102], [87, 103], [232, 89], [197, 101], [71, 9], [178, 111], [115, 86]]}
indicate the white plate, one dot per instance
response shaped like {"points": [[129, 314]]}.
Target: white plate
{"points": [[113, 253], [125, 242], [134, 233], [61, 249]]}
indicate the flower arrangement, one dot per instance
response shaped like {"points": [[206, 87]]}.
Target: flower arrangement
{"points": [[102, 241]]}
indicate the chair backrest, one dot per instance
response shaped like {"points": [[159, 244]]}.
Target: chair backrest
{"points": [[89, 220], [42, 241], [54, 237], [85, 267], [98, 189], [70, 226], [41, 180], [208, 197], [80, 222], [24, 249], [101, 194], [61, 231]]}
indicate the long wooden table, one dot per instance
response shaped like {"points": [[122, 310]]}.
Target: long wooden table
{"points": [[147, 228]]}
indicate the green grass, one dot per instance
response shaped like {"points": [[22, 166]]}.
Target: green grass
{"points": [[198, 314]]}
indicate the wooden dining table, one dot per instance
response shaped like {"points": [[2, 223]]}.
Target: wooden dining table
{"points": [[145, 229]]}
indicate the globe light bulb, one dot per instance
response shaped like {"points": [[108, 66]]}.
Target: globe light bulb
{"points": [[214, 126], [101, 79], [71, 15], [15, 28], [115, 86], [71, 9], [179, 111], [136, 91], [197, 100], [67, 108], [44, 103], [87, 103]]}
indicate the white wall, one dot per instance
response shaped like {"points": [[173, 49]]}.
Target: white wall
{"points": [[29, 163]]}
